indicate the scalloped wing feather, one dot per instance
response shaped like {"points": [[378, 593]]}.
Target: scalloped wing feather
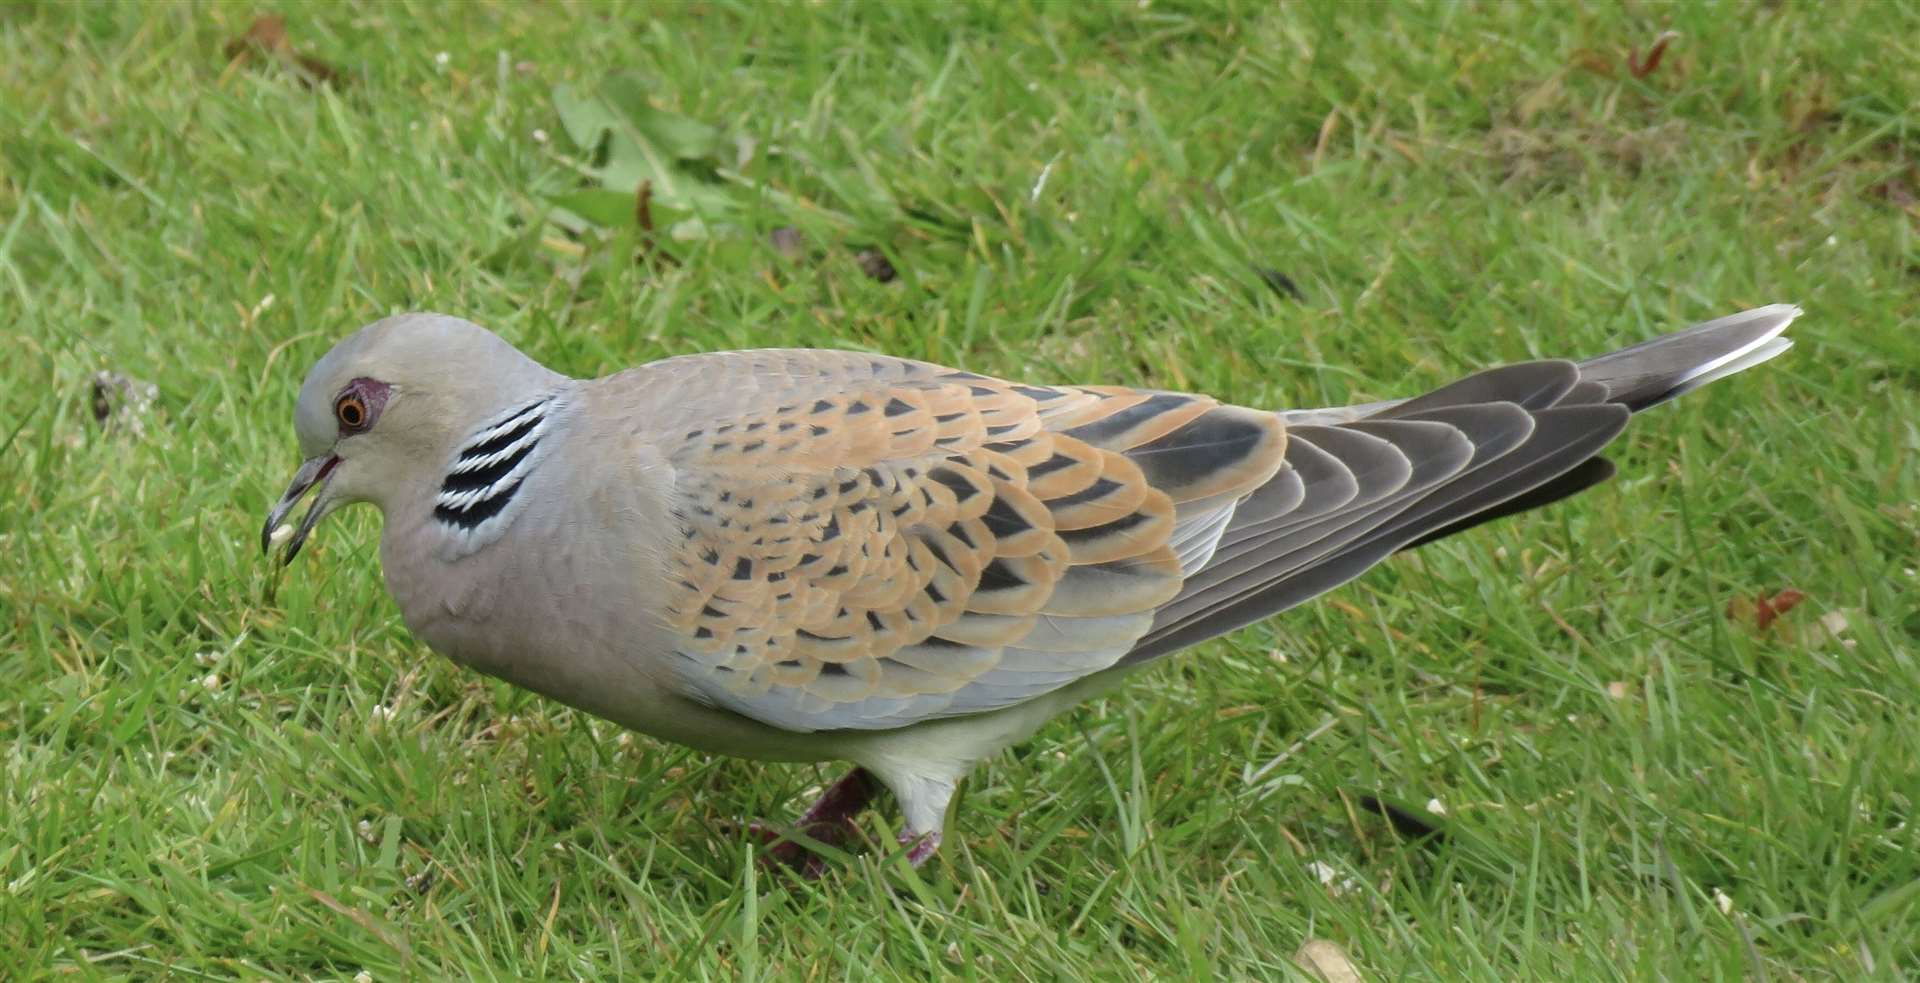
{"points": [[868, 542]]}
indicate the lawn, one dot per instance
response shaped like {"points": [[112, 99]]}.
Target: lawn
{"points": [[214, 769]]}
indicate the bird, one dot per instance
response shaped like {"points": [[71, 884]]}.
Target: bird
{"points": [[812, 555]]}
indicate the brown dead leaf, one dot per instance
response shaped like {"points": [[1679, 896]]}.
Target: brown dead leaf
{"points": [[1768, 609], [267, 33], [1593, 60], [1641, 68], [1763, 610], [266, 40], [643, 206]]}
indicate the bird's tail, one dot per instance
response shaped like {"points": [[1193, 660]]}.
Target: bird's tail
{"points": [[1643, 376], [1655, 371], [1532, 434]]}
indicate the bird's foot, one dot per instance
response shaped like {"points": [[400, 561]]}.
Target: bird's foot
{"points": [[920, 846], [829, 822]]}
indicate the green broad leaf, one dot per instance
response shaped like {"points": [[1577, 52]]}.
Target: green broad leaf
{"points": [[679, 137], [627, 143], [585, 118], [600, 206]]}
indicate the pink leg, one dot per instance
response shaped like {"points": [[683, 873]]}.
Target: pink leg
{"points": [[829, 820], [920, 846]]}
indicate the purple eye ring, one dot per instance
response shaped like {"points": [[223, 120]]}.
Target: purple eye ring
{"points": [[359, 405]]}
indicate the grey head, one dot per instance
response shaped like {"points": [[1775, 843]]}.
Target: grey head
{"points": [[379, 414]]}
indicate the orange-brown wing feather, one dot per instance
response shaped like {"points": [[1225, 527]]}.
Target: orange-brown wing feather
{"points": [[868, 542]]}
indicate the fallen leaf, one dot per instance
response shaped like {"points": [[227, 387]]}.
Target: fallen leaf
{"points": [[266, 38], [1764, 610], [1595, 61], [1327, 961], [1768, 609], [643, 206], [267, 33], [1640, 68]]}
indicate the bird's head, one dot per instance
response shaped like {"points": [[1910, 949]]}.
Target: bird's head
{"points": [[379, 413]]}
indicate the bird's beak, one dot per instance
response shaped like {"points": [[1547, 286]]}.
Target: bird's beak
{"points": [[313, 471]]}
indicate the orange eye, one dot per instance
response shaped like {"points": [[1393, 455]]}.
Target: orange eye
{"points": [[351, 411]]}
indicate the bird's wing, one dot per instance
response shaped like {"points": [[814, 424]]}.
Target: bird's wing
{"points": [[868, 542]]}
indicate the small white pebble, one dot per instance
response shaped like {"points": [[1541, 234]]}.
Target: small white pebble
{"points": [[281, 533], [539, 135], [442, 58], [1721, 901], [1617, 690], [1833, 240], [1436, 807], [366, 830], [210, 682], [363, 977]]}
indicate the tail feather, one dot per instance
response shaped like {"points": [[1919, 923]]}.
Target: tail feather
{"points": [[1655, 371], [1267, 563]]}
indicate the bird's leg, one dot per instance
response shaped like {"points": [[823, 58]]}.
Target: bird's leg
{"points": [[920, 846], [829, 820]]}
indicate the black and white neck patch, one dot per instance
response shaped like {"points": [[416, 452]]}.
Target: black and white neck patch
{"points": [[481, 493]]}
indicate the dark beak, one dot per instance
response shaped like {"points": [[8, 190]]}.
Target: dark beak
{"points": [[313, 471]]}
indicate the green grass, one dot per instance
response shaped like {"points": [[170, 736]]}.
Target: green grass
{"points": [[206, 776]]}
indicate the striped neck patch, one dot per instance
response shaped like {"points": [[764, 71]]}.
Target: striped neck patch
{"points": [[481, 491]]}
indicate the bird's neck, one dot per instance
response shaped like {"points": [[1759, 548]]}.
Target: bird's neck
{"points": [[489, 477]]}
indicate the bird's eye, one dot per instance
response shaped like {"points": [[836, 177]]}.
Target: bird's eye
{"points": [[351, 411]]}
